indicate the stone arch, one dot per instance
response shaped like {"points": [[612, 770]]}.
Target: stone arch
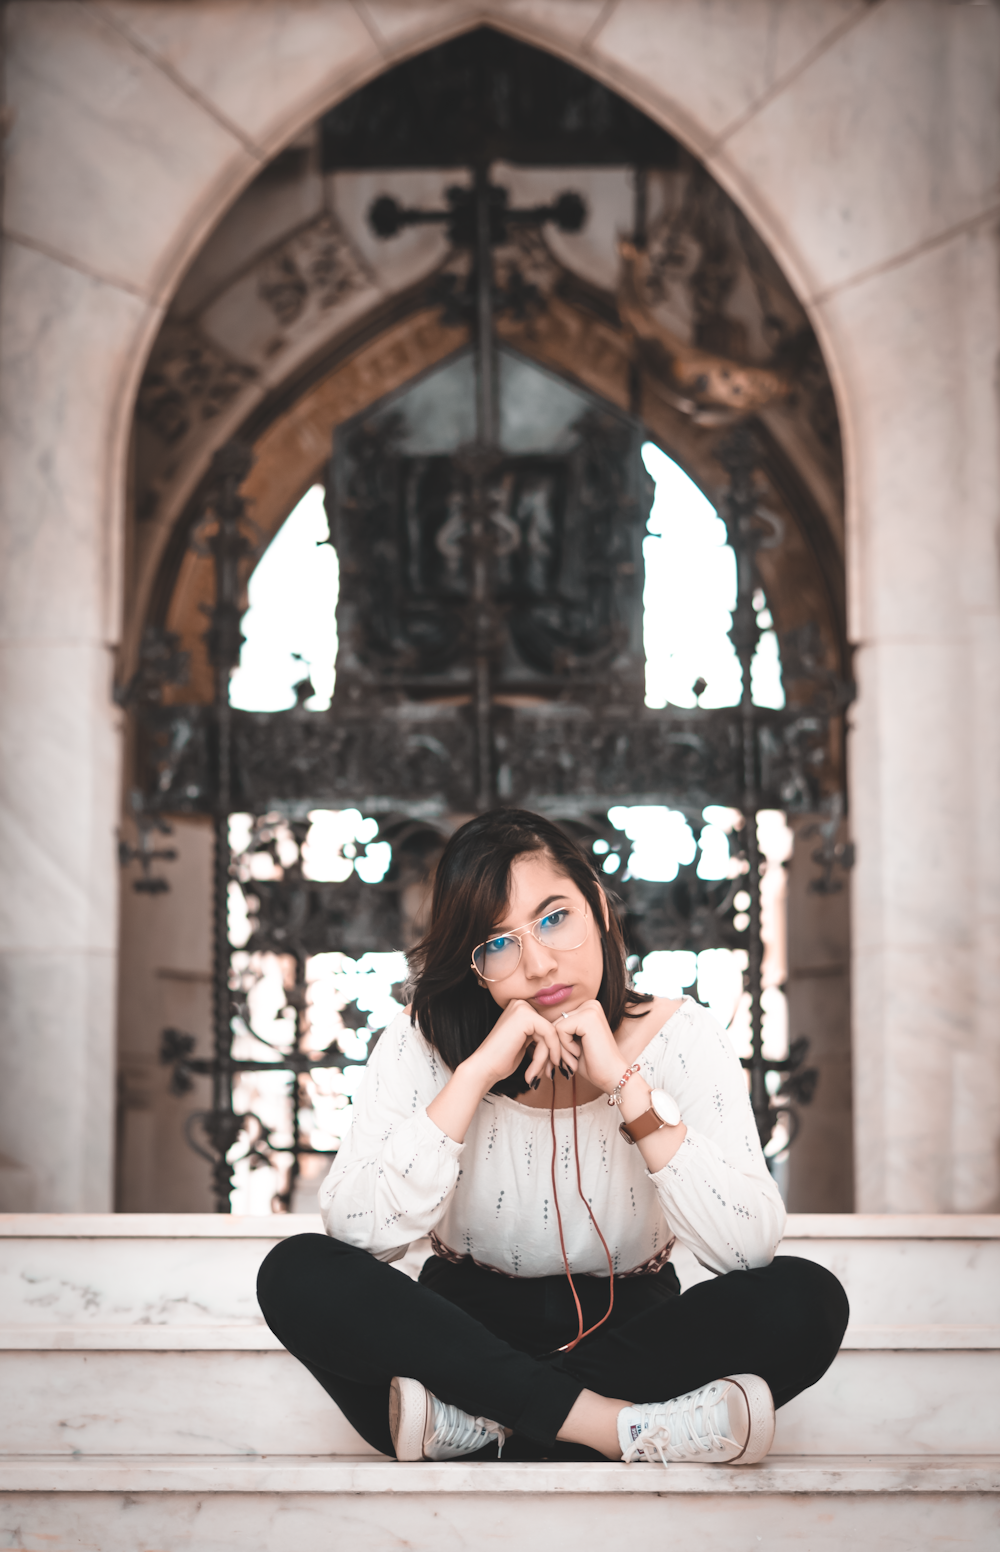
{"points": [[232, 392], [289, 407], [575, 50]]}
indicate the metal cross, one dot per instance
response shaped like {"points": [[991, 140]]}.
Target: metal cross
{"points": [[479, 218]]}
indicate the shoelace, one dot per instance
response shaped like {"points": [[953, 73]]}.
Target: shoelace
{"points": [[580, 1333], [452, 1428], [660, 1436]]}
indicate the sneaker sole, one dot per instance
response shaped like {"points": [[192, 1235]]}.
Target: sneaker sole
{"points": [[760, 1405], [407, 1418]]}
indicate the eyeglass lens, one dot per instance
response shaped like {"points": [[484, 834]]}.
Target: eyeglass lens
{"points": [[499, 957]]}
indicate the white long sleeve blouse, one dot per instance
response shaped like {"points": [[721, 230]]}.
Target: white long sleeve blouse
{"points": [[398, 1177]]}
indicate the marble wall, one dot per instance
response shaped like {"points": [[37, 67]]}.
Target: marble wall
{"points": [[818, 989], [165, 983], [862, 140]]}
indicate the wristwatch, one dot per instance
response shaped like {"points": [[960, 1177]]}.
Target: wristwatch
{"points": [[663, 1111]]}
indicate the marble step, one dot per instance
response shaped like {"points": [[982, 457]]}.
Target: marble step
{"points": [[70, 1275], [261, 1403], [123, 1335], [211, 1505]]}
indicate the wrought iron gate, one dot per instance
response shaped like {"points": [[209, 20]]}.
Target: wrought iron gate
{"points": [[490, 651]]}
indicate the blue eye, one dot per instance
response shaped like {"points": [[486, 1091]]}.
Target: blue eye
{"points": [[554, 919], [497, 945]]}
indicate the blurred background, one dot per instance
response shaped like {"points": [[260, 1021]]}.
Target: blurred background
{"points": [[583, 407]]}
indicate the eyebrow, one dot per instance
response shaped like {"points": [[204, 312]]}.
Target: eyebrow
{"points": [[539, 910]]}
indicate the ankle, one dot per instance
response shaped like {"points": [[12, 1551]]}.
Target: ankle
{"points": [[593, 1420]]}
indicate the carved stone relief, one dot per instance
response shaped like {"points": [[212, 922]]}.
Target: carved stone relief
{"points": [[318, 264], [195, 372], [704, 294], [189, 379]]}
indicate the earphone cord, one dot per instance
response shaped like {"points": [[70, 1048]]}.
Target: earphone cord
{"points": [[562, 1241]]}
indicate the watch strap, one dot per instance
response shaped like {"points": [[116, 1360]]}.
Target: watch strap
{"points": [[642, 1126]]}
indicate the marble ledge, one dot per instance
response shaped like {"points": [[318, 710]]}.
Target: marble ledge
{"points": [[138, 1226], [251, 1337], [832, 1474], [141, 1226], [928, 1338], [255, 1337]]}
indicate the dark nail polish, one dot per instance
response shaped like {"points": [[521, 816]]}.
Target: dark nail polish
{"points": [[535, 1082], [564, 1069]]}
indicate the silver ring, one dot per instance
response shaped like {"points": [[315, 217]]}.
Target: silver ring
{"points": [[562, 1015]]}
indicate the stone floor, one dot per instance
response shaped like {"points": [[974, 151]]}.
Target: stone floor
{"points": [[152, 1409]]}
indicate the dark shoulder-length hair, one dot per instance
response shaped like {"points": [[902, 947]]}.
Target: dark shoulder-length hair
{"points": [[471, 890]]}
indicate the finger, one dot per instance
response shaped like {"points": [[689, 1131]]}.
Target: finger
{"points": [[584, 1020], [564, 1056], [540, 1065], [568, 1046], [567, 1063], [542, 1060], [557, 1055], [536, 1071]]}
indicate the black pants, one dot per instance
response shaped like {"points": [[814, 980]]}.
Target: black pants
{"points": [[485, 1342]]}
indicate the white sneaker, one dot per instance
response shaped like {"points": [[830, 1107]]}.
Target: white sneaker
{"points": [[424, 1428], [729, 1422]]}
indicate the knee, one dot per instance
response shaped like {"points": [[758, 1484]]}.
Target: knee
{"points": [[813, 1303], [290, 1268]]}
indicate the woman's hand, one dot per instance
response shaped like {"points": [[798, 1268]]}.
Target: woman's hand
{"points": [[594, 1052], [517, 1029], [601, 1061]]}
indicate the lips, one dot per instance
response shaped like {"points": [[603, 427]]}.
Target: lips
{"points": [[551, 995]]}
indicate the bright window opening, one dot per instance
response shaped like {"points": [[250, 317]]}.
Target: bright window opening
{"points": [[689, 594], [291, 624]]}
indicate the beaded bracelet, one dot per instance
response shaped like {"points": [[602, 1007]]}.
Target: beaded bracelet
{"points": [[615, 1097]]}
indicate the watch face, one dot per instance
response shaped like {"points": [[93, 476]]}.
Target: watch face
{"points": [[666, 1107]]}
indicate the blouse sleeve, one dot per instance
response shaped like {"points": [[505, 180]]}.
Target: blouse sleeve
{"points": [[395, 1170], [717, 1193]]}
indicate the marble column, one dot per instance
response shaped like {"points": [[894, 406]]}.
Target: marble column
{"points": [[926, 777], [62, 336], [81, 268]]}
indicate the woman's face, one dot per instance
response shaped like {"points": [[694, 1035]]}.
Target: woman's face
{"points": [[554, 980]]}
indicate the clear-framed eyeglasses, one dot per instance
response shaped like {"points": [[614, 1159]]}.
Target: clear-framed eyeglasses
{"points": [[561, 929]]}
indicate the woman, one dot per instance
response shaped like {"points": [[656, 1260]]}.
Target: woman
{"points": [[553, 1131]]}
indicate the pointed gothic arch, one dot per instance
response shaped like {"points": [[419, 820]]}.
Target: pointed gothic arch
{"points": [[686, 325]]}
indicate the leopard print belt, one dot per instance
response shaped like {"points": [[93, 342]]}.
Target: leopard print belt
{"points": [[654, 1264]]}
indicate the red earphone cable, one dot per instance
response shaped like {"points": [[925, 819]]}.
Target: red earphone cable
{"points": [[562, 1240]]}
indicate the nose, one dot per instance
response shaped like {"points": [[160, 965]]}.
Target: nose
{"points": [[537, 961]]}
